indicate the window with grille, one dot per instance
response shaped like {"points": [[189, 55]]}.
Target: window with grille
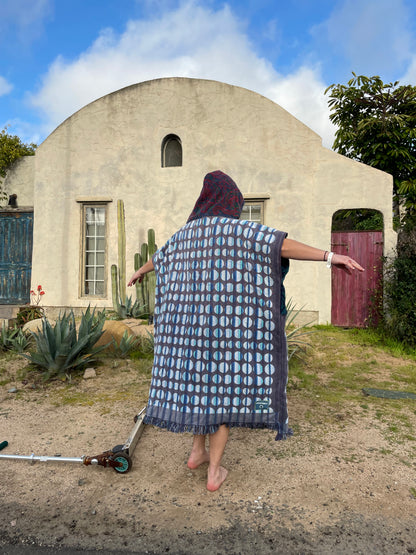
{"points": [[171, 151], [253, 211], [94, 250]]}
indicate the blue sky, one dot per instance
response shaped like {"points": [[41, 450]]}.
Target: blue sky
{"points": [[56, 56]]}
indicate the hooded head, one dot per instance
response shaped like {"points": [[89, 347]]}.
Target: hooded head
{"points": [[220, 196]]}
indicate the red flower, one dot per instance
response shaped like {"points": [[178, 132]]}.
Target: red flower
{"points": [[39, 287], [32, 293], [42, 293]]}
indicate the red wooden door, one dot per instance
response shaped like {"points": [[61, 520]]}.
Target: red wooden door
{"points": [[355, 297]]}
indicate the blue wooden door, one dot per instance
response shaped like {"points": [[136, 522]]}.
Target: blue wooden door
{"points": [[16, 239]]}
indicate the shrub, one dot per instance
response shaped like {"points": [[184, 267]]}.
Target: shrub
{"points": [[295, 336], [60, 349], [399, 295]]}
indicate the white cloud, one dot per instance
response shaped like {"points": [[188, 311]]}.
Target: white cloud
{"points": [[409, 78], [26, 16], [5, 86], [190, 41], [373, 35], [302, 94]]}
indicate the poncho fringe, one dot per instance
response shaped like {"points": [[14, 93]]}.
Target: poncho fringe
{"points": [[204, 430]]}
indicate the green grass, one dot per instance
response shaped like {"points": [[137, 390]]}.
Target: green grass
{"points": [[340, 364], [325, 387], [374, 338]]}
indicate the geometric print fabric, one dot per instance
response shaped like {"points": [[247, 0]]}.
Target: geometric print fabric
{"points": [[216, 318]]}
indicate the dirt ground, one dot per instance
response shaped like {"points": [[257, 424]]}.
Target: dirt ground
{"points": [[330, 489]]}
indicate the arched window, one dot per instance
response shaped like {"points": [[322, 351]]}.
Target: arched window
{"points": [[171, 151]]}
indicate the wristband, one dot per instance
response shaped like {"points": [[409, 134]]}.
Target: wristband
{"points": [[329, 260]]}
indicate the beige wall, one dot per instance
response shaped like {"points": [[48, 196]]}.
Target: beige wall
{"points": [[111, 149], [20, 180]]}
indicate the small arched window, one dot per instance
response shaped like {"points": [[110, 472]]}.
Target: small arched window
{"points": [[171, 151]]}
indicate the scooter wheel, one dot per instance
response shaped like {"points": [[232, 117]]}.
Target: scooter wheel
{"points": [[125, 460]]}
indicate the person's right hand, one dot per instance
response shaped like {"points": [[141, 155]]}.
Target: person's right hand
{"points": [[137, 276]]}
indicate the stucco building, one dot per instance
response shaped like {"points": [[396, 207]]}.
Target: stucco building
{"points": [[151, 145]]}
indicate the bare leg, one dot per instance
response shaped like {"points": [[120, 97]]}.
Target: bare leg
{"points": [[216, 473], [199, 454]]}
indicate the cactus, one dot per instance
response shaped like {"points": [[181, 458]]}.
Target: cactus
{"points": [[122, 304], [114, 288], [118, 274], [121, 248], [145, 290]]}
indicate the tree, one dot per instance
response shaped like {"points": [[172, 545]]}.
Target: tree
{"points": [[11, 148], [376, 125]]}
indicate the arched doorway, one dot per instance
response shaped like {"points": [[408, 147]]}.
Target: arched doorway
{"points": [[356, 298]]}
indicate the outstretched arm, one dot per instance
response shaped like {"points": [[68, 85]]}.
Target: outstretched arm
{"points": [[299, 251], [139, 274]]}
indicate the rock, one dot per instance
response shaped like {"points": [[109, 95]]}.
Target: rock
{"points": [[33, 325], [13, 390], [113, 329], [89, 373], [137, 327]]}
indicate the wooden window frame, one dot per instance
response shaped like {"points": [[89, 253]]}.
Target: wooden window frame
{"points": [[165, 144], [85, 205], [252, 203]]}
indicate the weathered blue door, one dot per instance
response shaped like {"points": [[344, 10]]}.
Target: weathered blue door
{"points": [[16, 239]]}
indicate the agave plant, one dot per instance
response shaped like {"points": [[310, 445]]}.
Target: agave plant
{"points": [[14, 339], [129, 309], [295, 336], [128, 343], [60, 349]]}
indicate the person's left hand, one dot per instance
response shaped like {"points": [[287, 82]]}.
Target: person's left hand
{"points": [[346, 263]]}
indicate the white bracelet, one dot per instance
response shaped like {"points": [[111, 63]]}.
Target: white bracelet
{"points": [[329, 260]]}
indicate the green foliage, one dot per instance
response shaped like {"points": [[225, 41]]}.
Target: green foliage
{"points": [[145, 290], [376, 124], [145, 346], [365, 219], [128, 344], [60, 349], [295, 336], [29, 313], [14, 339], [11, 148], [129, 309], [400, 297]]}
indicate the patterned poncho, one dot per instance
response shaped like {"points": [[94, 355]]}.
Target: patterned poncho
{"points": [[220, 344]]}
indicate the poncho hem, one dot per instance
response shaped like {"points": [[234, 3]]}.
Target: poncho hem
{"points": [[211, 429]]}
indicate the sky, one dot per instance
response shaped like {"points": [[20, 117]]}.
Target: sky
{"points": [[57, 56]]}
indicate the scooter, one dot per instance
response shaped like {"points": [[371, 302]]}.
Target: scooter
{"points": [[119, 457]]}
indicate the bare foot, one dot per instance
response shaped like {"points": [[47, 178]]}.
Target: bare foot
{"points": [[216, 478], [196, 459]]}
